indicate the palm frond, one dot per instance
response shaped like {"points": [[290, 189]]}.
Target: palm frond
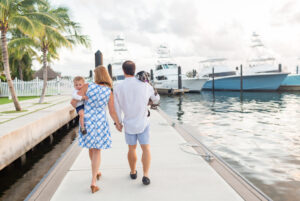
{"points": [[5, 3], [21, 42], [23, 23], [2, 5], [44, 18], [55, 37], [80, 39], [27, 3]]}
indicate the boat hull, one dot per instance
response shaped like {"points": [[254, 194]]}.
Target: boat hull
{"points": [[193, 85], [290, 83], [256, 82]]}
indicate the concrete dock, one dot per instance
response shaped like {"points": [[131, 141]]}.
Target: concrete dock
{"points": [[20, 132], [175, 174]]}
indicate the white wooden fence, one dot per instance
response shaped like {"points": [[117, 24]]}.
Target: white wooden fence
{"points": [[34, 87]]}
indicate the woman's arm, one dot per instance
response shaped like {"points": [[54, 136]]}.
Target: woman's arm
{"points": [[113, 113], [83, 90], [81, 93]]}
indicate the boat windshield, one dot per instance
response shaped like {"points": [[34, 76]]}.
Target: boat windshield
{"points": [[119, 77], [166, 66], [169, 66]]}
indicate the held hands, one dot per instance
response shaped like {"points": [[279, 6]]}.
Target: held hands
{"points": [[119, 127]]}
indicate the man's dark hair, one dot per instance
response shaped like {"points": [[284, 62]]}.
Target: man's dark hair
{"points": [[129, 67]]}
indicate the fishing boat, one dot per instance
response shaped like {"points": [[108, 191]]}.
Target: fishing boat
{"points": [[166, 74], [120, 55], [227, 79], [291, 82], [261, 74]]}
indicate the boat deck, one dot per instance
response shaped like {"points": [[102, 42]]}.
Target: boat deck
{"points": [[171, 91]]}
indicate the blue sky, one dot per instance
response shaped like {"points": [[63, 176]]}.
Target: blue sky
{"points": [[193, 29]]}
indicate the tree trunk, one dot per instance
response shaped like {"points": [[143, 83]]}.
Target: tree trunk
{"points": [[45, 76], [7, 70], [20, 72]]}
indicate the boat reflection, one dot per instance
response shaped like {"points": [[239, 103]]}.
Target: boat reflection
{"points": [[256, 133]]}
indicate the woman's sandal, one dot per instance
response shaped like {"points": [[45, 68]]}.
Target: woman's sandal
{"points": [[99, 175], [94, 188]]}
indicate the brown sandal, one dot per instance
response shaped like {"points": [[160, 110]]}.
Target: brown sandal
{"points": [[99, 175], [94, 188]]}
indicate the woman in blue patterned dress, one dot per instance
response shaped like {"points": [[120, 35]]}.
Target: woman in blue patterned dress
{"points": [[98, 134]]}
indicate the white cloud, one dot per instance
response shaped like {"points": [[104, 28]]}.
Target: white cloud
{"points": [[193, 29]]}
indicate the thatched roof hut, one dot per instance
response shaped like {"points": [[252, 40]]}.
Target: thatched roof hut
{"points": [[51, 74]]}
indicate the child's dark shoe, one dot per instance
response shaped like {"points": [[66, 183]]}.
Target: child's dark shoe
{"points": [[83, 131]]}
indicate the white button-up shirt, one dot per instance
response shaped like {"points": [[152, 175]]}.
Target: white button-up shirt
{"points": [[131, 98]]}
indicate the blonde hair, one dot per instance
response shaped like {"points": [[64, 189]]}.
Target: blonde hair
{"points": [[78, 78], [102, 76]]}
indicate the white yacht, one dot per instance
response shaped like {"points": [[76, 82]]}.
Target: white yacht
{"points": [[228, 79], [166, 73], [120, 55]]}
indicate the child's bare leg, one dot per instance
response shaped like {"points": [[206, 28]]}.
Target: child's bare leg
{"points": [[81, 118]]}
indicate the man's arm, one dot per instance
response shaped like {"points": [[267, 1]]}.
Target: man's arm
{"points": [[112, 112], [117, 105]]}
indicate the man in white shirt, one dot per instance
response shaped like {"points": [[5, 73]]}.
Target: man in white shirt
{"points": [[131, 98]]}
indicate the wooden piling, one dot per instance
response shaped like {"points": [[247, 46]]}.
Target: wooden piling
{"points": [[297, 69], [151, 75], [279, 68], [241, 78], [50, 139], [98, 58], [109, 68], [23, 159], [213, 79], [179, 78]]}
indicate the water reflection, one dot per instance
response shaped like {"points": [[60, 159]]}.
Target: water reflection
{"points": [[180, 111], [257, 133], [18, 181]]}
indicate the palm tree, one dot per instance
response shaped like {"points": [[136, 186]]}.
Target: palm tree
{"points": [[21, 63], [53, 36], [18, 14], [21, 51]]}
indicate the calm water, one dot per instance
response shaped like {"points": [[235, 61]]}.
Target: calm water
{"points": [[258, 134], [17, 180]]}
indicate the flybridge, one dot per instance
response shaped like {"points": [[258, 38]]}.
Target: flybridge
{"points": [[213, 60], [262, 59], [119, 44], [121, 54]]}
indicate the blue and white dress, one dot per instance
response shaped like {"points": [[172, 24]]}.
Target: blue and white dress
{"points": [[98, 135]]}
